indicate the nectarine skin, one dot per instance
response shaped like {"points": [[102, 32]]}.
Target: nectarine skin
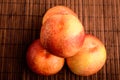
{"points": [[41, 61], [57, 10], [90, 59], [62, 35]]}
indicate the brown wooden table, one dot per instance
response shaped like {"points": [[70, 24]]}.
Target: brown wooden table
{"points": [[20, 23]]}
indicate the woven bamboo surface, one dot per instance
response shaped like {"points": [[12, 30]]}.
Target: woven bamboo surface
{"points": [[20, 23]]}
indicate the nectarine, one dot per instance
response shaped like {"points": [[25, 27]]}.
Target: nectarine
{"points": [[62, 35], [41, 61], [90, 59], [57, 10]]}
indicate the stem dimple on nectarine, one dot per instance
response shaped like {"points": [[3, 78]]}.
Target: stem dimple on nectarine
{"points": [[41, 61]]}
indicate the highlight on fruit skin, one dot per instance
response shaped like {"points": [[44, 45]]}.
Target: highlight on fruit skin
{"points": [[62, 35], [57, 10], [90, 59], [41, 61]]}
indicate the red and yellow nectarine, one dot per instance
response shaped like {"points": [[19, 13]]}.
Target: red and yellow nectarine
{"points": [[90, 59], [41, 61], [62, 35], [57, 10]]}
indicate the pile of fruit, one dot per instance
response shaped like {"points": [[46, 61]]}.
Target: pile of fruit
{"points": [[62, 38]]}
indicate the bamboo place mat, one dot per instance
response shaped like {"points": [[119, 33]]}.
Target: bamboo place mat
{"points": [[20, 23]]}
